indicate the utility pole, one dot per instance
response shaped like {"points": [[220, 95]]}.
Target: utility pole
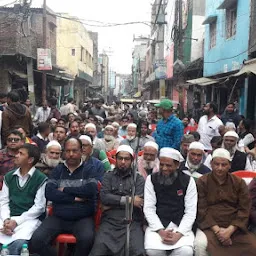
{"points": [[180, 54], [44, 78]]}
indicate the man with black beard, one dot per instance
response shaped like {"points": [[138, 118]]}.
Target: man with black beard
{"points": [[116, 186], [109, 140], [51, 158], [239, 160], [170, 208], [193, 166]]}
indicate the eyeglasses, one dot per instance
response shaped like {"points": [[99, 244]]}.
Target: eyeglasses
{"points": [[13, 139], [123, 158], [86, 145]]}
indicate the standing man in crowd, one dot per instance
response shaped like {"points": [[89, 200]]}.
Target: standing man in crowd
{"points": [[208, 125], [60, 134], [186, 140], [170, 208], [55, 113], [15, 114], [145, 137], [230, 116], [97, 110], [116, 186], [42, 113], [41, 139], [72, 188], [169, 129], [22, 200]]}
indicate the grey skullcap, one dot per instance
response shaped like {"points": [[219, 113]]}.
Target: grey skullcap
{"points": [[187, 138]]}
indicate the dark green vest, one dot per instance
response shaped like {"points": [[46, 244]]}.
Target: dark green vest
{"points": [[21, 199]]}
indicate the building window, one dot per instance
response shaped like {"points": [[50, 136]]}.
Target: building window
{"points": [[73, 52], [213, 33], [231, 19], [82, 54]]}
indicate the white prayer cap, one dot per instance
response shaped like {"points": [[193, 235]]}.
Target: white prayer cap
{"points": [[171, 153], [151, 144], [231, 134], [110, 127], [196, 145], [54, 143], [115, 124], [90, 125], [221, 152], [87, 138], [132, 125], [125, 148], [53, 120]]}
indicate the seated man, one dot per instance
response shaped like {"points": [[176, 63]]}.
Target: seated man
{"points": [[194, 166], [239, 160], [109, 140], [170, 208], [51, 158], [252, 191], [41, 139], [186, 140], [148, 163], [72, 188], [22, 200], [60, 134], [97, 143], [131, 137], [223, 211], [116, 186]]}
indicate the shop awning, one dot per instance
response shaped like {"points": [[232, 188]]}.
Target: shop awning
{"points": [[227, 4], [203, 81], [248, 68], [210, 19], [137, 94]]}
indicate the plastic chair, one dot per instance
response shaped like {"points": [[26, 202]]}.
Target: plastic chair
{"points": [[245, 174], [63, 239], [140, 153]]}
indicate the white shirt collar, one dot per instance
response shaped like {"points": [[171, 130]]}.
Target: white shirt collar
{"points": [[77, 166], [30, 173], [41, 137]]}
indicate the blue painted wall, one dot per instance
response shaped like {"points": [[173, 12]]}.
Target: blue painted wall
{"points": [[223, 57]]}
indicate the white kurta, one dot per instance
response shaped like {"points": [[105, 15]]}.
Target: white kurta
{"points": [[27, 222], [152, 238]]}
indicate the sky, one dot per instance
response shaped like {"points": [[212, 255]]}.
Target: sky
{"points": [[117, 41]]}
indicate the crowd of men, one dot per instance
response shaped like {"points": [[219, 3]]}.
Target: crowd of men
{"points": [[176, 172]]}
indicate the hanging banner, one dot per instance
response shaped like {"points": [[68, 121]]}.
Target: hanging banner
{"points": [[160, 69], [44, 59]]}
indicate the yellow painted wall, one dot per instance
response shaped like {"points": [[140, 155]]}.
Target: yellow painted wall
{"points": [[73, 36]]}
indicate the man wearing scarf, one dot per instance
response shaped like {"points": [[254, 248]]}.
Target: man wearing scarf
{"points": [[116, 186], [170, 208], [109, 140], [148, 163], [194, 166]]}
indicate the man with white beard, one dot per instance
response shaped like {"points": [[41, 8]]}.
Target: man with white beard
{"points": [[109, 140], [193, 166], [131, 139], [148, 163], [239, 160], [51, 158]]}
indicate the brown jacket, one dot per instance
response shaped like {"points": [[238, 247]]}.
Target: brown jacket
{"points": [[16, 114]]}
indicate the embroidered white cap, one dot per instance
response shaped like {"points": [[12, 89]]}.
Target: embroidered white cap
{"points": [[151, 144], [125, 148], [133, 125], [90, 125], [231, 134], [85, 137], [196, 145], [54, 143], [171, 153], [222, 153], [110, 127]]}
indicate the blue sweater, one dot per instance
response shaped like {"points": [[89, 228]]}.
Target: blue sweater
{"points": [[81, 183]]}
